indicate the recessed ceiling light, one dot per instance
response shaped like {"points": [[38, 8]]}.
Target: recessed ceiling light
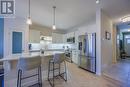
{"points": [[128, 30], [97, 1], [125, 19]]}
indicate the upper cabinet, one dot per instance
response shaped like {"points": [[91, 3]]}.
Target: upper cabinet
{"points": [[69, 37], [57, 38], [34, 36]]}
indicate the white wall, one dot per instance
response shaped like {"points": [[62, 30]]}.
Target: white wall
{"points": [[98, 27], [106, 45], [92, 28], [14, 24], [114, 42]]}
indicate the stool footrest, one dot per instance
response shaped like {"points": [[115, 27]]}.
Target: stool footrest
{"points": [[30, 76], [59, 75], [34, 84], [54, 69]]}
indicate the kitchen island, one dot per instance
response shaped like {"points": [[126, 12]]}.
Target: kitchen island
{"points": [[10, 65]]}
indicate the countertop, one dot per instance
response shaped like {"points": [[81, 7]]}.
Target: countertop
{"points": [[46, 50], [31, 54]]}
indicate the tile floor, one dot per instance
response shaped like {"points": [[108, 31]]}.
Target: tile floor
{"points": [[119, 71]]}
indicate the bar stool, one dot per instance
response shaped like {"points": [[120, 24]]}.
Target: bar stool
{"points": [[57, 59], [1, 75], [27, 64]]}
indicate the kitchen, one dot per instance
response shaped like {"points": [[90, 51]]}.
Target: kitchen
{"points": [[44, 33], [23, 39], [42, 38], [49, 44]]}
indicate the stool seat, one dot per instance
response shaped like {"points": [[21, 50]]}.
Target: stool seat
{"points": [[27, 64]]}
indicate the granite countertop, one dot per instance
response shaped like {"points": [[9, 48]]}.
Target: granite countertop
{"points": [[32, 54]]}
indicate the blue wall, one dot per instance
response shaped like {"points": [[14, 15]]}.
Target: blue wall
{"points": [[1, 37]]}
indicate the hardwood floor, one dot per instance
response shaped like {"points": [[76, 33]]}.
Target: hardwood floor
{"points": [[119, 71], [78, 78]]}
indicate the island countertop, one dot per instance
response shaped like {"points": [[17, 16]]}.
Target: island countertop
{"points": [[31, 54]]}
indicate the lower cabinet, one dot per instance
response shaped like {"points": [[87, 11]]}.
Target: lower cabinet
{"points": [[75, 56]]}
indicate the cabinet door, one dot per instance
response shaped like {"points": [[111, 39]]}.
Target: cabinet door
{"points": [[57, 38], [75, 57], [65, 38], [34, 36]]}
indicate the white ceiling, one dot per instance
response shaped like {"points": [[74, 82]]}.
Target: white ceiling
{"points": [[116, 9], [70, 13]]}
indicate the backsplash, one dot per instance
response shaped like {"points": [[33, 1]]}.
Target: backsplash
{"points": [[50, 46]]}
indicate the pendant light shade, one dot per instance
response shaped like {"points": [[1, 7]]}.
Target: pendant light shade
{"points": [[97, 1], [29, 21], [54, 25]]}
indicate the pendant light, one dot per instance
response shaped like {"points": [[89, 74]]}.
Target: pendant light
{"points": [[97, 1], [29, 21], [54, 25]]}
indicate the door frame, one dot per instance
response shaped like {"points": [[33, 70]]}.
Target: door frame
{"points": [[11, 36]]}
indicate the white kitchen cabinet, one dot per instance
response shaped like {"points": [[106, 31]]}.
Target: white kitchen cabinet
{"points": [[34, 36], [57, 38], [65, 38], [75, 56]]}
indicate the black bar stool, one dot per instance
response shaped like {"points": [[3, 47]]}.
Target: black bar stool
{"points": [[27, 64], [57, 59], [1, 75]]}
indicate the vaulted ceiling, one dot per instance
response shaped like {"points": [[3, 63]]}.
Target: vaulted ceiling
{"points": [[116, 9], [70, 13]]}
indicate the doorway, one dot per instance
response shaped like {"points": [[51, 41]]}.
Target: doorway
{"points": [[126, 44], [120, 70]]}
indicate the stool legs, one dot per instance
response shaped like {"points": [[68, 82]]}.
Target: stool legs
{"points": [[53, 72], [53, 75], [65, 71], [53, 66], [19, 78], [40, 77]]}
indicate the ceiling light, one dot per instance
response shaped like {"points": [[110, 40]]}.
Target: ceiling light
{"points": [[97, 1], [29, 21], [125, 19], [54, 21], [54, 27], [128, 30]]}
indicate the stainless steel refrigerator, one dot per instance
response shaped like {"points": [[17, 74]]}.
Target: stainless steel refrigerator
{"points": [[87, 52]]}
